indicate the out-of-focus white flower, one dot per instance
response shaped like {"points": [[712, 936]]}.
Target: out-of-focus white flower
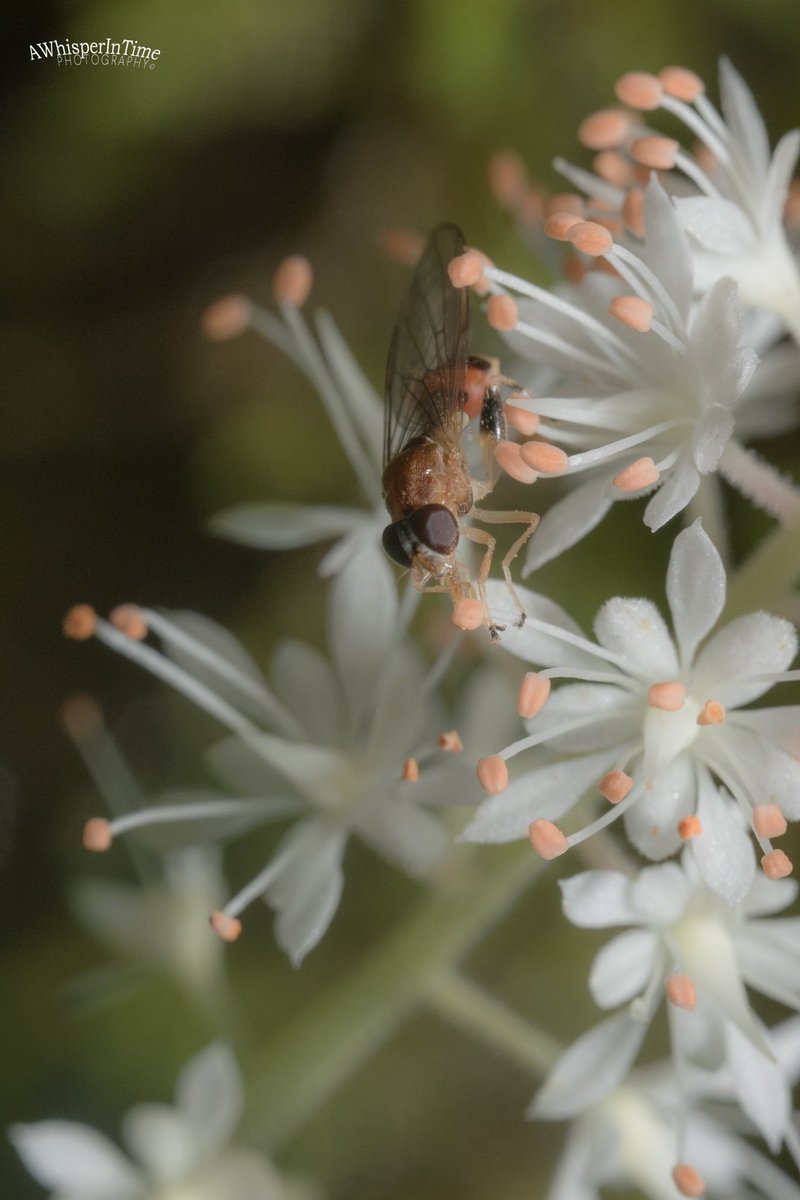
{"points": [[653, 1133], [353, 406], [336, 745], [176, 1153], [730, 194], [652, 723]]}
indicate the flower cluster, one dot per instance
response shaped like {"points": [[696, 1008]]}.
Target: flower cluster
{"points": [[670, 344]]}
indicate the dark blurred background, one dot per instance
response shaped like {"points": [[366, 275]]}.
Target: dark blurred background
{"points": [[130, 201]]}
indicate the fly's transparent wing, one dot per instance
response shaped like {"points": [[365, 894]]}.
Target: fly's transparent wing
{"points": [[426, 368]]}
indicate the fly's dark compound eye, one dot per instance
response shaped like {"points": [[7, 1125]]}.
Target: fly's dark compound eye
{"points": [[394, 545], [435, 527]]}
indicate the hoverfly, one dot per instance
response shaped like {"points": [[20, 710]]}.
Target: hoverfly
{"points": [[427, 485]]}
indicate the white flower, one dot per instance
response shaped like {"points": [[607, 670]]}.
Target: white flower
{"points": [[652, 723], [326, 747], [650, 387], [686, 944], [655, 1122], [730, 197], [176, 1153], [355, 411]]}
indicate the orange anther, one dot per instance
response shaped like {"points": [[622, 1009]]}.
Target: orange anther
{"points": [[633, 211], [467, 613], [544, 458], [547, 839], [508, 178], [558, 225], [668, 696], [410, 772], [492, 774], [292, 281], [634, 312], [533, 693], [590, 237], [522, 419], [502, 313], [605, 129], [226, 318], [688, 1181], [614, 786], [768, 820], [657, 153], [128, 619], [97, 834], [465, 269], [681, 83], [228, 928], [640, 90], [681, 991], [639, 474], [450, 741], [613, 167], [689, 827], [713, 713], [776, 864], [508, 456]]}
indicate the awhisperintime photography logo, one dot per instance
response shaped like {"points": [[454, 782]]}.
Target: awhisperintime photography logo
{"points": [[128, 52]]}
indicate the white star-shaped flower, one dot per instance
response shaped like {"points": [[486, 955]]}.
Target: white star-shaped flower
{"points": [[655, 724], [335, 745], [353, 407], [181, 1151]]}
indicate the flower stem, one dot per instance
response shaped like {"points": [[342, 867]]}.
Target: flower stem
{"points": [[464, 1003], [304, 1064], [768, 577]]}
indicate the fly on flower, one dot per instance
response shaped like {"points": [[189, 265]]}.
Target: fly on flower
{"points": [[431, 382]]}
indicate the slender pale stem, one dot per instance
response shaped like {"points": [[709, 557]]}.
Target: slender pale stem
{"points": [[465, 1003]]}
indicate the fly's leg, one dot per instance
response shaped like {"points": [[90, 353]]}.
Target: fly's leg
{"points": [[506, 518], [483, 538]]}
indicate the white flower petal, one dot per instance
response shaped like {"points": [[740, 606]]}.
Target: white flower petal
{"points": [[284, 526], [589, 1069], [622, 967], [781, 169], [659, 895], [76, 1158], [303, 679], [677, 490], [716, 225], [774, 773], [362, 627], [162, 1140], [767, 951], [651, 825], [711, 436], [637, 633], [744, 120], [753, 645], [768, 896], [306, 890], [598, 899], [209, 1093], [723, 852], [531, 642], [567, 521], [695, 588], [761, 1088], [312, 770], [404, 833], [243, 1175], [779, 725], [544, 794], [607, 716], [364, 536], [666, 247]]}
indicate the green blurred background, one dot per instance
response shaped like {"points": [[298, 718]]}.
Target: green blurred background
{"points": [[130, 201]]}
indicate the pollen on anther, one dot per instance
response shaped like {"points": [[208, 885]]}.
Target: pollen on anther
{"points": [[80, 622], [228, 928], [467, 613], [668, 696], [533, 693], [522, 419], [128, 619], [614, 786], [640, 90], [81, 716], [502, 313], [544, 458], [465, 269], [768, 820], [508, 456], [633, 311], [558, 225], [97, 834], [226, 318], [776, 865], [605, 129], [590, 237], [681, 83], [688, 1181], [681, 991], [450, 741], [410, 773], [656, 152], [508, 178], [611, 166], [492, 774], [292, 281], [547, 839], [639, 474], [689, 827], [712, 713], [633, 211]]}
